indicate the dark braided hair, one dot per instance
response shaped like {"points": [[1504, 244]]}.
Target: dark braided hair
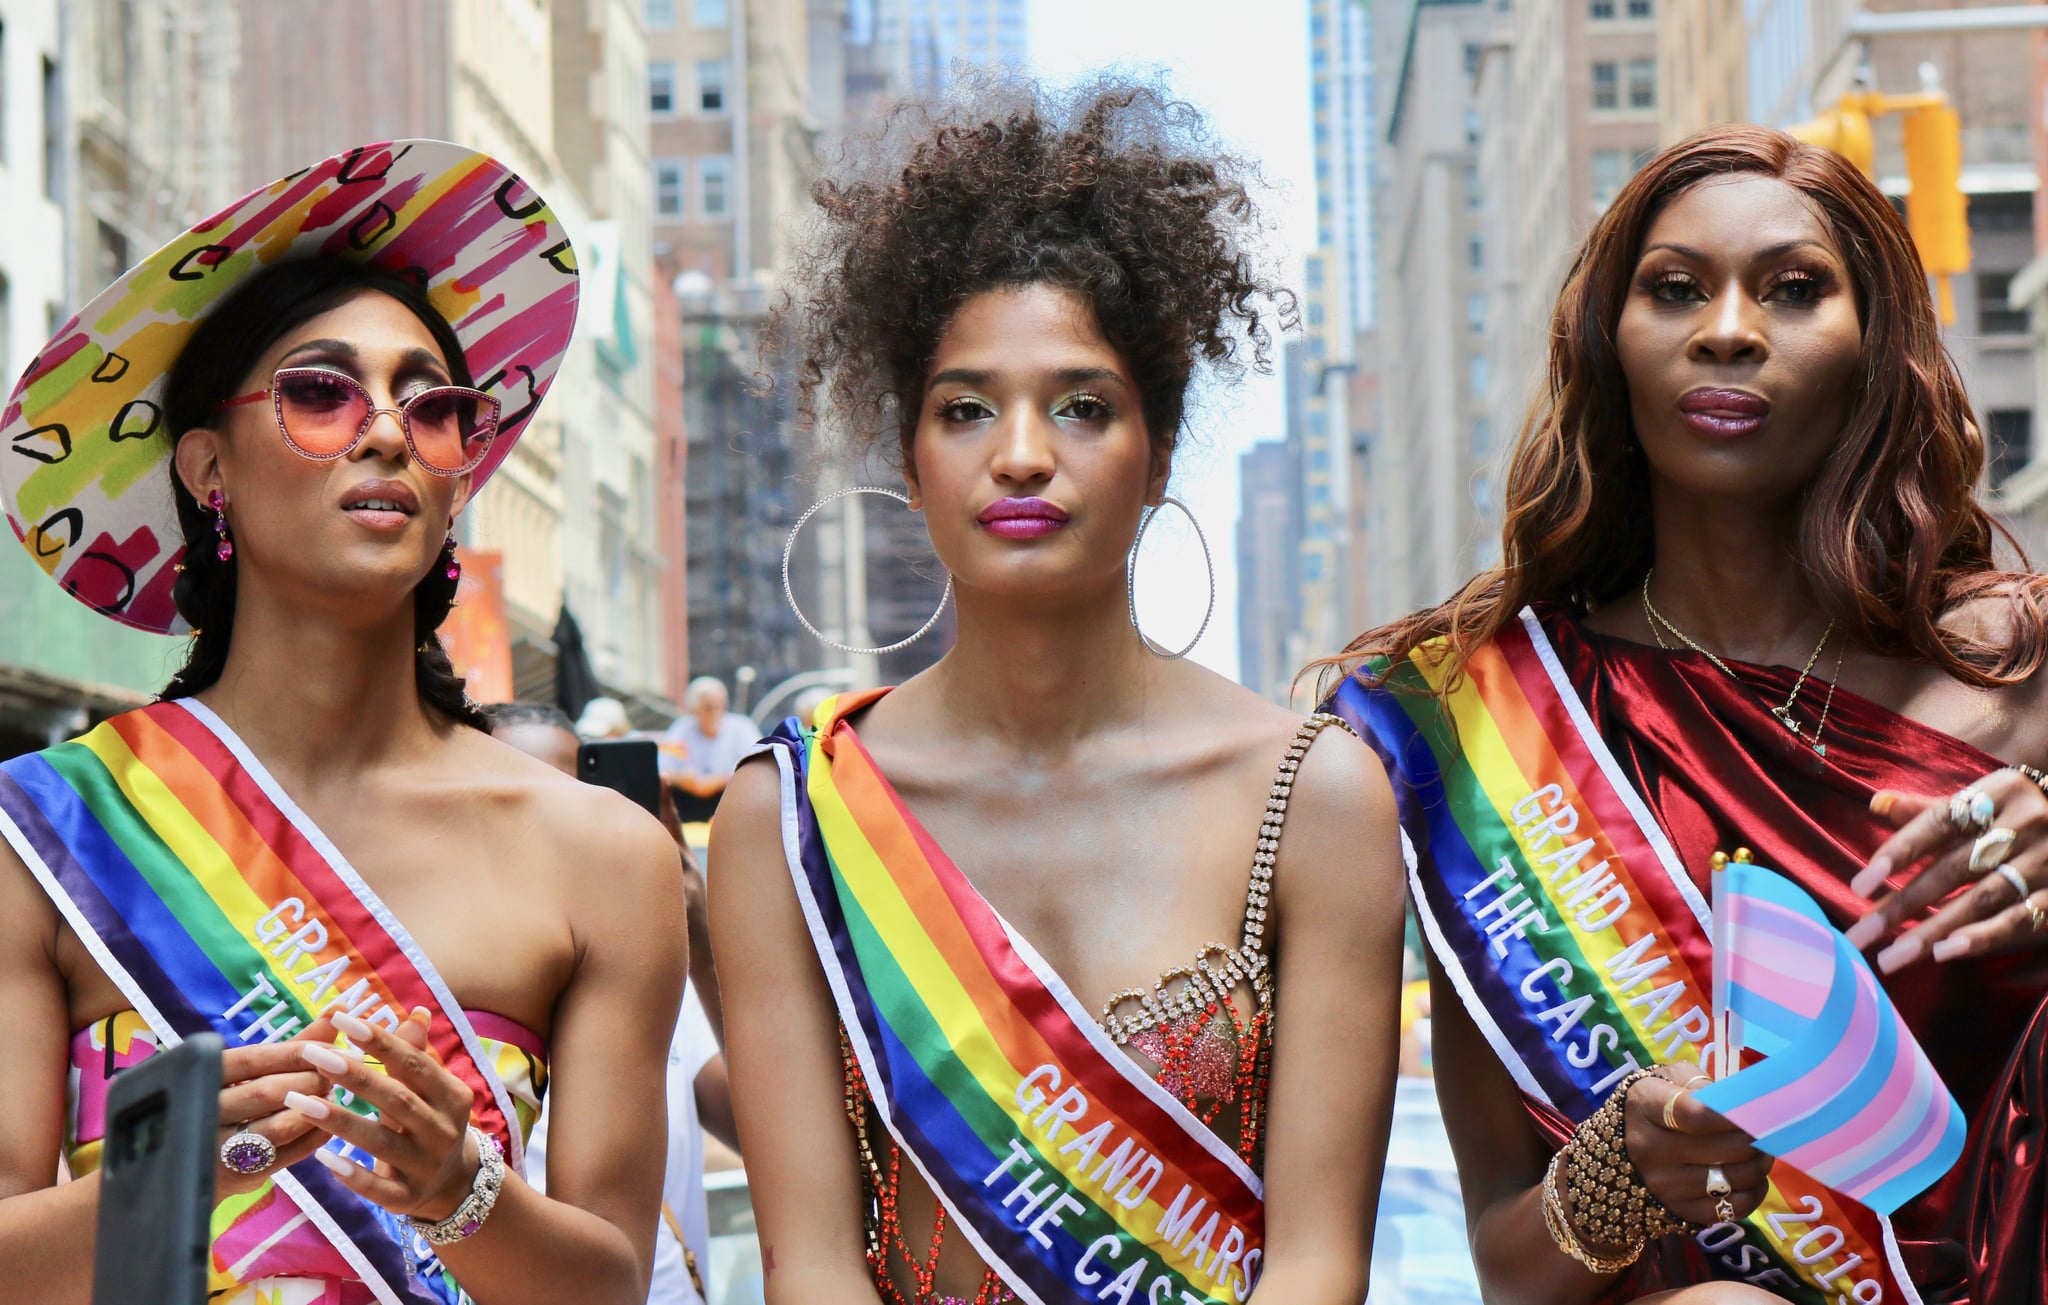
{"points": [[248, 321]]}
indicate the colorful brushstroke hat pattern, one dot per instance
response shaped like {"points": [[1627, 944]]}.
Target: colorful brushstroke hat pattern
{"points": [[84, 458]]}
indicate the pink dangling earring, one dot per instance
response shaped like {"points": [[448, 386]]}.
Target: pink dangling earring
{"points": [[454, 567], [224, 548]]}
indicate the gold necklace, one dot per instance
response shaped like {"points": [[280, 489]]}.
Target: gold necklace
{"points": [[1782, 711]]}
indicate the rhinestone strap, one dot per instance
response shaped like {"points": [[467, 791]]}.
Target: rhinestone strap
{"points": [[1263, 857], [476, 1207]]}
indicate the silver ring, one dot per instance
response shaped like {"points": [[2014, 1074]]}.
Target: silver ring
{"points": [[2017, 880], [248, 1153], [1717, 1182], [1971, 811], [1131, 580], [789, 591], [1990, 850]]}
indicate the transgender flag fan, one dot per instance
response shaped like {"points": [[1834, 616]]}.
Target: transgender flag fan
{"points": [[1844, 1091]]}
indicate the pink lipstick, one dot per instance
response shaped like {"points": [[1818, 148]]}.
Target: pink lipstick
{"points": [[1724, 414], [1022, 518]]}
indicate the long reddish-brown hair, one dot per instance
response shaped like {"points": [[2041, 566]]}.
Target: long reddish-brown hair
{"points": [[1890, 534]]}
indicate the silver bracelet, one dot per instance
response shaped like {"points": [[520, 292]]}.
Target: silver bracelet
{"points": [[476, 1207]]}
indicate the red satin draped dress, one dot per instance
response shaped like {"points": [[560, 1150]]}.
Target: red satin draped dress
{"points": [[1720, 772]]}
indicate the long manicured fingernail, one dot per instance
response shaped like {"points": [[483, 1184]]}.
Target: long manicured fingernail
{"points": [[310, 1107], [326, 1059], [1950, 948], [1865, 931], [356, 1029], [420, 1015], [1882, 802], [335, 1162], [1903, 952], [1871, 877]]}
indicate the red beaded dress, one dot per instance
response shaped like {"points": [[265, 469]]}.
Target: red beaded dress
{"points": [[1204, 1031]]}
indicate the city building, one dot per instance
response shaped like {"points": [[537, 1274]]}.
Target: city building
{"points": [[1568, 110], [1702, 65], [1268, 554], [932, 38], [1424, 523], [1338, 302], [114, 136]]}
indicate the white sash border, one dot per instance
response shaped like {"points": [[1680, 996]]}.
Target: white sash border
{"points": [[375, 905], [1667, 858], [821, 939], [309, 1205]]}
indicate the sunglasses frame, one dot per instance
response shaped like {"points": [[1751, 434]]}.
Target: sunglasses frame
{"points": [[274, 392]]}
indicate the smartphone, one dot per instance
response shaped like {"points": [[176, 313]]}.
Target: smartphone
{"points": [[629, 766], [156, 1177]]}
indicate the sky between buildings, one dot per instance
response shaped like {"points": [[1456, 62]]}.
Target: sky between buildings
{"points": [[1247, 66]]}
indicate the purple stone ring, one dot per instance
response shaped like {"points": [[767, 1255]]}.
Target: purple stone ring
{"points": [[248, 1153]]}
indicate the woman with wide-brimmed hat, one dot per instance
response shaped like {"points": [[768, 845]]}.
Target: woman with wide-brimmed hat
{"points": [[260, 438]]}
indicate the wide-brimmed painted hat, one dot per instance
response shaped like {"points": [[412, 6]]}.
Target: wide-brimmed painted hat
{"points": [[84, 456]]}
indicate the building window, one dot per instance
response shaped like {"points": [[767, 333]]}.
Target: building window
{"points": [[714, 185], [53, 139], [1472, 123], [1642, 83], [1482, 437], [1475, 253], [1611, 172], [2011, 436], [711, 85], [1475, 311], [661, 14], [661, 86], [1643, 9], [1472, 54], [708, 13], [1606, 85], [1600, 11], [1476, 375], [1995, 312], [1472, 193], [668, 188]]}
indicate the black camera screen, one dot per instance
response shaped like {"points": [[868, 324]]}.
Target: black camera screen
{"points": [[139, 1131]]}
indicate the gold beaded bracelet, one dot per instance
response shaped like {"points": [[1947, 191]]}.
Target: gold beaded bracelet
{"points": [[1611, 1202], [1560, 1225]]}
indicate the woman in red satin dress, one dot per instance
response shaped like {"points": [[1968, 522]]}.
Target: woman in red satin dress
{"points": [[1741, 515]]}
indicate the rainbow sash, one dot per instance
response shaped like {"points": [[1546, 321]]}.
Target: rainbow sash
{"points": [[1072, 1174], [214, 904], [1569, 926]]}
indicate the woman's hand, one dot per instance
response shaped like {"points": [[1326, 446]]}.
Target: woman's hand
{"points": [[1672, 1157], [254, 1084], [1991, 916], [420, 1137]]}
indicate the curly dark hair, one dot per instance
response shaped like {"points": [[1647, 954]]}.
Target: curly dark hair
{"points": [[1113, 190]]}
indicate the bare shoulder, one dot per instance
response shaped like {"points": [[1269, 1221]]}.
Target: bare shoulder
{"points": [[748, 826], [578, 827], [28, 918]]}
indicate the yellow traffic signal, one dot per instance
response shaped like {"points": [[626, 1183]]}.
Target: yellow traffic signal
{"points": [[1845, 129], [1936, 208]]}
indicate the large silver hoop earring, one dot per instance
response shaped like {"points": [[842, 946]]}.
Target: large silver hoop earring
{"points": [[1131, 580], [789, 593]]}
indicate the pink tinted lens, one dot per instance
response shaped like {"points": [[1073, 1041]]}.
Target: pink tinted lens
{"points": [[322, 412], [451, 427]]}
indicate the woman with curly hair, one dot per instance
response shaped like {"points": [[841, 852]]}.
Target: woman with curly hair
{"points": [[1746, 600], [931, 903]]}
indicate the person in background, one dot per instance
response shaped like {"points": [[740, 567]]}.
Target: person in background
{"points": [[700, 750], [698, 1099], [603, 718]]}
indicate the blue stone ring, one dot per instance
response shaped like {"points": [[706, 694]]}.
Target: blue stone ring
{"points": [[1971, 811], [248, 1153]]}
